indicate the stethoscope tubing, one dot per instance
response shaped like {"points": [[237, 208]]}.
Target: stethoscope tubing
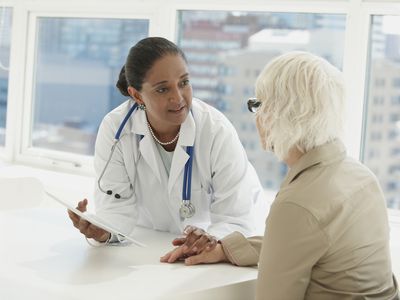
{"points": [[187, 176], [109, 192], [128, 115]]}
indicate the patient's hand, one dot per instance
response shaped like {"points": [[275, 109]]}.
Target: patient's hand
{"points": [[215, 255], [86, 228]]}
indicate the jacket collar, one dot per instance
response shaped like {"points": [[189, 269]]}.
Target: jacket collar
{"points": [[325, 154]]}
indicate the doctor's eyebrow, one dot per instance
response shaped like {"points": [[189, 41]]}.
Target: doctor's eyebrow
{"points": [[165, 81]]}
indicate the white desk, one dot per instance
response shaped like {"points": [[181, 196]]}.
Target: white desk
{"points": [[42, 256]]}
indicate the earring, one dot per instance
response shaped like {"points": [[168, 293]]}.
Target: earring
{"points": [[142, 107]]}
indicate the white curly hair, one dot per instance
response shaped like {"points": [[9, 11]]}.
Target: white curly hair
{"points": [[302, 103]]}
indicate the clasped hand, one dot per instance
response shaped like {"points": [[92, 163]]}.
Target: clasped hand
{"points": [[195, 247]]}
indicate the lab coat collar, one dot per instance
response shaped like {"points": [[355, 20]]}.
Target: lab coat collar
{"points": [[188, 131], [139, 123], [186, 135], [186, 138], [147, 146]]}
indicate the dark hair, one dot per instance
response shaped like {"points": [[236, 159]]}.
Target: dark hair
{"points": [[141, 58]]}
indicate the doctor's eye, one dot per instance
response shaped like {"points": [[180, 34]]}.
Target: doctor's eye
{"points": [[185, 82], [161, 90]]}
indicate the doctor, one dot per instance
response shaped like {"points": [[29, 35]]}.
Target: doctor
{"points": [[176, 161]]}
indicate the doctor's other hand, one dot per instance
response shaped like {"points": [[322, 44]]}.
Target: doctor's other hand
{"points": [[215, 255], [87, 229]]}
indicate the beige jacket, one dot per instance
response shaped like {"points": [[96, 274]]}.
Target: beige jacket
{"points": [[327, 234]]}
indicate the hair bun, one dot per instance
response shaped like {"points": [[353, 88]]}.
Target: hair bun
{"points": [[122, 83]]}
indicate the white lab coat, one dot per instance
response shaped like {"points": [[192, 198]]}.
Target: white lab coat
{"points": [[224, 189]]}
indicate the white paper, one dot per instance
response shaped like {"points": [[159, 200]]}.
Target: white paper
{"points": [[93, 219]]}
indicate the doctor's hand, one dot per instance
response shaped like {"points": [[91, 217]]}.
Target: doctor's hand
{"points": [[215, 255], [87, 229], [194, 241]]}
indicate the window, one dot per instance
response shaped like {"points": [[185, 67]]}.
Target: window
{"points": [[392, 186], [379, 82], [5, 39], [77, 64], [394, 169], [396, 152], [373, 153], [377, 118], [394, 117], [376, 136], [379, 100], [67, 58], [384, 66], [396, 100], [396, 82], [244, 42], [393, 134]]}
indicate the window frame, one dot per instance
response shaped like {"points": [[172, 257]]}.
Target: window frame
{"points": [[5, 152], [370, 9], [18, 137], [163, 21]]}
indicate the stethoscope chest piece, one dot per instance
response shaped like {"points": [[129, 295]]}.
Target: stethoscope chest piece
{"points": [[187, 210]]}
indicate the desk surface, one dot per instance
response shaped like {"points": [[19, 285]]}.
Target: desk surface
{"points": [[42, 256]]}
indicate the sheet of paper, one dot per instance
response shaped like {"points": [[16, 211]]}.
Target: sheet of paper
{"points": [[93, 219]]}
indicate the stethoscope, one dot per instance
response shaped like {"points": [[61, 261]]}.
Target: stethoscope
{"points": [[187, 208]]}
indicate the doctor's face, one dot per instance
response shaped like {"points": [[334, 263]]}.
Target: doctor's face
{"points": [[167, 92]]}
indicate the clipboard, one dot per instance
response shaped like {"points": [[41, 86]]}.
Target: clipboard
{"points": [[93, 219]]}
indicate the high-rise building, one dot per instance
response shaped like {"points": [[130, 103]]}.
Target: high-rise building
{"points": [[382, 140]]}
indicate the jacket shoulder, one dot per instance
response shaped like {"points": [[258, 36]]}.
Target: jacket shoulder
{"points": [[342, 186]]}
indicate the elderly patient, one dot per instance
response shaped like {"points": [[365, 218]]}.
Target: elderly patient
{"points": [[327, 233]]}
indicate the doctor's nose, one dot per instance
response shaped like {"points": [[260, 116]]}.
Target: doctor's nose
{"points": [[176, 96]]}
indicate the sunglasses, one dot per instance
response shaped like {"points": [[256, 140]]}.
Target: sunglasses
{"points": [[253, 104]]}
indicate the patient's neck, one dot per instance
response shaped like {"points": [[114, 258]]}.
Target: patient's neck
{"points": [[293, 156]]}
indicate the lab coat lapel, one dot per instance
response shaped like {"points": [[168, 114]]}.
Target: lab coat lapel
{"points": [[186, 138], [147, 147]]}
